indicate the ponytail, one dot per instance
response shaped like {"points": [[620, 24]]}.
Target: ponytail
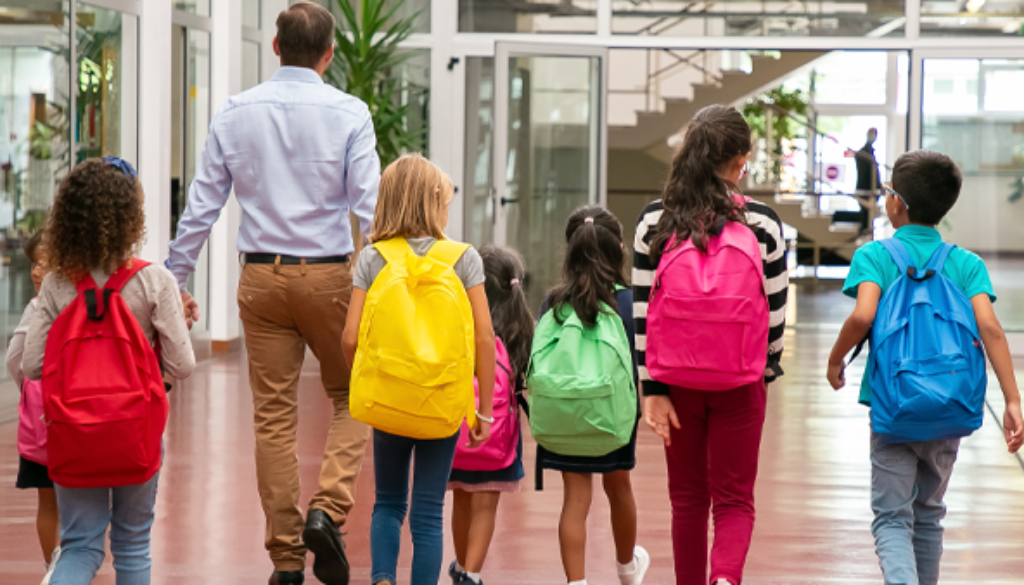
{"points": [[510, 311], [593, 265], [696, 197]]}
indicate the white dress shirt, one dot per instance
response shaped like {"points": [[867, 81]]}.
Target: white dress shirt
{"points": [[300, 155]]}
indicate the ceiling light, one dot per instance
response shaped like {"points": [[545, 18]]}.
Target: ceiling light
{"points": [[974, 6]]}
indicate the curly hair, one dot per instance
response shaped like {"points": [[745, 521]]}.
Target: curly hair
{"points": [[97, 220]]}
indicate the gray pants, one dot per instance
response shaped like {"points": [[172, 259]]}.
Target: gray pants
{"points": [[908, 482]]}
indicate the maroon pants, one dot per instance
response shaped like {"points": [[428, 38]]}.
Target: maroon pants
{"points": [[712, 464]]}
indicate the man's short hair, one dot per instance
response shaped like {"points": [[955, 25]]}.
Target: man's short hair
{"points": [[305, 31], [929, 182]]}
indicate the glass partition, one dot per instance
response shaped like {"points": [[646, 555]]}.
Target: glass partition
{"points": [[107, 43], [250, 64], [528, 16], [866, 18], [251, 13], [478, 205], [200, 7], [35, 151], [972, 18], [973, 111]]}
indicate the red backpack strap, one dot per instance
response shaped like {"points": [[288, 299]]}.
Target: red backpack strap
{"points": [[125, 273]]}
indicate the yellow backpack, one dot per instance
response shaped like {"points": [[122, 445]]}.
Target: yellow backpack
{"points": [[413, 370]]}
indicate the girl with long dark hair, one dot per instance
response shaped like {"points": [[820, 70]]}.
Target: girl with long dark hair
{"points": [[712, 434], [592, 284]]}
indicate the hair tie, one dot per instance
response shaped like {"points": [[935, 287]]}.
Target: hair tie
{"points": [[122, 165], [588, 220], [514, 282]]}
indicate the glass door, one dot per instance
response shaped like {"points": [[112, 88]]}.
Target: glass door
{"points": [[550, 150]]}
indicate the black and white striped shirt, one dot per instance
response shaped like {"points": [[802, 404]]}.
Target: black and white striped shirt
{"points": [[768, 228]]}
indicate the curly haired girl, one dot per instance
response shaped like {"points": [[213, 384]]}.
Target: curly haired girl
{"points": [[95, 226]]}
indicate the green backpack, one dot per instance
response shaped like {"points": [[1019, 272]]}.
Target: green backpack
{"points": [[581, 389]]}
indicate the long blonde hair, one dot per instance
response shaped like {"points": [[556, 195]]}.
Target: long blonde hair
{"points": [[412, 200]]}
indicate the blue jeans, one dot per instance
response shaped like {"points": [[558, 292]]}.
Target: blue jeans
{"points": [[85, 514], [433, 463], [908, 482]]}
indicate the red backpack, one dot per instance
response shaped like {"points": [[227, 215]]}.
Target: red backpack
{"points": [[103, 391]]}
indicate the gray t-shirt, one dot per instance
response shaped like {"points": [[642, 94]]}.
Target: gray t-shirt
{"points": [[469, 268]]}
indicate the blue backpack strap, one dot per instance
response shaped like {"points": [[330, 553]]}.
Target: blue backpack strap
{"points": [[939, 258], [899, 254]]}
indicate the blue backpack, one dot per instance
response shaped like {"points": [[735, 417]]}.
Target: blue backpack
{"points": [[928, 380]]}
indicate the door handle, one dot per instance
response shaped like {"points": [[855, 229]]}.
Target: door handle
{"points": [[505, 201]]}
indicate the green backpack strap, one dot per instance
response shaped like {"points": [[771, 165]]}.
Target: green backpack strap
{"points": [[447, 252], [393, 249]]}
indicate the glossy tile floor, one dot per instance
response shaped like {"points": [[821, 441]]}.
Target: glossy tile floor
{"points": [[812, 498]]}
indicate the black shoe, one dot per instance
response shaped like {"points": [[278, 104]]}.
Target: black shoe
{"points": [[287, 578], [458, 577], [323, 539]]}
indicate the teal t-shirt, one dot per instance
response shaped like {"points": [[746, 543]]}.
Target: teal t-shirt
{"points": [[873, 263]]}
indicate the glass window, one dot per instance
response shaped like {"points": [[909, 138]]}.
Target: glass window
{"points": [[34, 139], [251, 13], [972, 18], [250, 64], [107, 44], [200, 7], [414, 74], [528, 16], [756, 18], [972, 111], [418, 8]]}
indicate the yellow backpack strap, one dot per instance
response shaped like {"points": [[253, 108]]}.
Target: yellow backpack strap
{"points": [[392, 249], [447, 251]]}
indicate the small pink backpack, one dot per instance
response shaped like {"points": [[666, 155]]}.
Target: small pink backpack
{"points": [[499, 451], [707, 320], [32, 423]]}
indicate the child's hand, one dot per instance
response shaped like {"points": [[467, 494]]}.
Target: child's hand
{"points": [[837, 375], [1013, 427], [659, 414], [479, 434]]}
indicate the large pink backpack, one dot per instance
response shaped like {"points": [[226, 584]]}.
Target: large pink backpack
{"points": [[32, 423], [500, 450], [707, 319]]}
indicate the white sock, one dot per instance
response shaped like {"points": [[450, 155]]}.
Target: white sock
{"points": [[474, 577], [628, 568], [459, 567], [580, 582]]}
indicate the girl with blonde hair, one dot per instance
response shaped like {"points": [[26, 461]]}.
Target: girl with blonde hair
{"points": [[412, 206]]}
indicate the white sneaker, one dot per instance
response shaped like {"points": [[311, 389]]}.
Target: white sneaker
{"points": [[51, 567], [641, 562]]}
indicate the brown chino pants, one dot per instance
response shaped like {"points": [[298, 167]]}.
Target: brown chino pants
{"points": [[284, 309]]}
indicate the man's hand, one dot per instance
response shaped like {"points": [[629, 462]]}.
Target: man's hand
{"points": [[191, 308], [837, 375], [659, 413], [1013, 427], [479, 434]]}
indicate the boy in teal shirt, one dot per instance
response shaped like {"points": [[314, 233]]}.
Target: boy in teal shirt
{"points": [[909, 480]]}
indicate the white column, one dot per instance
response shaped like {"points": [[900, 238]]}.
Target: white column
{"points": [[155, 125], [225, 81]]}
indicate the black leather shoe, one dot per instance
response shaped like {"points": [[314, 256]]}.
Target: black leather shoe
{"points": [[287, 578], [323, 539]]}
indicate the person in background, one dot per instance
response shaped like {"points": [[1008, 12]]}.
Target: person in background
{"points": [[300, 156], [32, 471]]}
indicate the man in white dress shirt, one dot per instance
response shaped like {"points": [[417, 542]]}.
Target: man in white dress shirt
{"points": [[300, 155]]}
